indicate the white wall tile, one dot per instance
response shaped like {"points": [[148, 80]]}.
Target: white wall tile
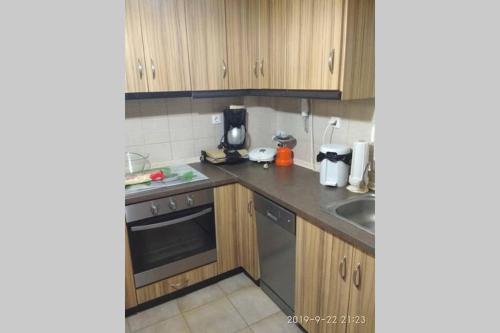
{"points": [[158, 152], [158, 136], [182, 149], [178, 128]]}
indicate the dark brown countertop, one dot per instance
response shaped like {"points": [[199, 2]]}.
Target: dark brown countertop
{"points": [[217, 177], [295, 188]]}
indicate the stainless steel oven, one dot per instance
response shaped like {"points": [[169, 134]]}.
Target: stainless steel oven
{"points": [[171, 235]]}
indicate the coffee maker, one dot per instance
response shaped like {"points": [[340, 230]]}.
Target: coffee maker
{"points": [[234, 129], [234, 139]]}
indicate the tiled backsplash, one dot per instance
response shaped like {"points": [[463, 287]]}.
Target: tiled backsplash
{"points": [[173, 129], [268, 115], [177, 129]]}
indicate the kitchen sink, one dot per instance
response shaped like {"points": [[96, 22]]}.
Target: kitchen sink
{"points": [[359, 211]]}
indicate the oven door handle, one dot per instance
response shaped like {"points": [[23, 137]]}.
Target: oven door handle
{"points": [[174, 221]]}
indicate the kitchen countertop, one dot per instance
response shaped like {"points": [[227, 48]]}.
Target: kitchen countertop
{"points": [[295, 188]]}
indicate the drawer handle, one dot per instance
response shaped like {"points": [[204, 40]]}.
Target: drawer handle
{"points": [[179, 285], [356, 276], [262, 67], [342, 268], [255, 69]]}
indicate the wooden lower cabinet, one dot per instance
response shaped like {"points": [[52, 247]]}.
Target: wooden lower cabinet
{"points": [[246, 230], [362, 294], [225, 227], [130, 296], [334, 282], [308, 269], [175, 283]]}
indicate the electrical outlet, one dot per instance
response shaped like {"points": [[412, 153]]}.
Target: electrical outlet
{"points": [[335, 122], [216, 119]]}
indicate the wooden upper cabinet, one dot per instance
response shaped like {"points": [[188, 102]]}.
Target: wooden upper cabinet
{"points": [[206, 31], [272, 44], [314, 39], [135, 75], [242, 25], [165, 44], [358, 58], [362, 293]]}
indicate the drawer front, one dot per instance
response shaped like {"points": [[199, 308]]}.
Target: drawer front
{"points": [[175, 283]]}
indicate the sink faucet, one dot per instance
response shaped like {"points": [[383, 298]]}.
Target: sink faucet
{"points": [[363, 184]]}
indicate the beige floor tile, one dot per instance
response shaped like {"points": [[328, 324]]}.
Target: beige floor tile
{"points": [[200, 297], [276, 323], [246, 330], [176, 324], [127, 328], [215, 317], [154, 315], [235, 283], [253, 304]]}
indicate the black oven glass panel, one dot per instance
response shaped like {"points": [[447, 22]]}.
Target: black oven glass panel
{"points": [[163, 243]]}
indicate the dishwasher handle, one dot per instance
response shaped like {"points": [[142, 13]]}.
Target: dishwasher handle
{"points": [[271, 216]]}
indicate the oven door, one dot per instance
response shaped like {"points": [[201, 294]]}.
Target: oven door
{"points": [[169, 244]]}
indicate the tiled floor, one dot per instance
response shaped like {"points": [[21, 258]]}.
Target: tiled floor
{"points": [[233, 305]]}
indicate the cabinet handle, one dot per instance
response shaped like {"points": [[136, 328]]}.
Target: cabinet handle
{"points": [[262, 67], [255, 69], [342, 268], [139, 66], [356, 276], [153, 69], [330, 60], [179, 285], [250, 204], [224, 69]]}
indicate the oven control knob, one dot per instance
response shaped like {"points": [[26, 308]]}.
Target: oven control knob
{"points": [[189, 200], [172, 204], [154, 209]]}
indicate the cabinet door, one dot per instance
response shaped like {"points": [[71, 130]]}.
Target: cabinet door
{"points": [[165, 44], [272, 44], [242, 22], [362, 294], [130, 296], [308, 273], [135, 74], [336, 278], [248, 252], [206, 31], [225, 227], [314, 30]]}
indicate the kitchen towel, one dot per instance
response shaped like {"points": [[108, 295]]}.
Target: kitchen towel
{"points": [[360, 158]]}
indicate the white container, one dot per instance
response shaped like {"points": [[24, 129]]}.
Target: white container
{"points": [[360, 158], [334, 173]]}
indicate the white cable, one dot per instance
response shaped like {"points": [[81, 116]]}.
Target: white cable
{"points": [[324, 133], [311, 130]]}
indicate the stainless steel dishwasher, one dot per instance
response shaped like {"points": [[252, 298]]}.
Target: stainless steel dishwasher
{"points": [[276, 239]]}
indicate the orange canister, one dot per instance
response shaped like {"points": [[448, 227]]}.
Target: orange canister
{"points": [[284, 156]]}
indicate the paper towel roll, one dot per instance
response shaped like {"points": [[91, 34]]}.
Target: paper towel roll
{"points": [[360, 158]]}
